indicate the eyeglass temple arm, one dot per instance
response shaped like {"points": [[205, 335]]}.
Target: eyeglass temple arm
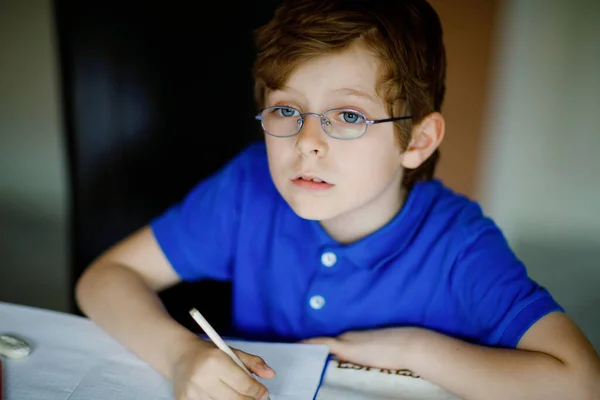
{"points": [[379, 121]]}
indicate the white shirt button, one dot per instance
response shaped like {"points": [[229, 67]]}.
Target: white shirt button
{"points": [[328, 259], [317, 302]]}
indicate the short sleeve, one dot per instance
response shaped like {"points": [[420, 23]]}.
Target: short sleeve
{"points": [[500, 301], [198, 235]]}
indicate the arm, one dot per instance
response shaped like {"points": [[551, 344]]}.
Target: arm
{"points": [[538, 352], [188, 241], [118, 292], [553, 360]]}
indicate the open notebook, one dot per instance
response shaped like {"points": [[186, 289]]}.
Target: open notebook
{"points": [[73, 359], [299, 367]]}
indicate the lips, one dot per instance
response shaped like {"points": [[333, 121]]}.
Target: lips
{"points": [[312, 178], [311, 182]]}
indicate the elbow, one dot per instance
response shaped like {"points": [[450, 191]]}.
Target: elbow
{"points": [[588, 391], [592, 391], [587, 385], [83, 289], [89, 285]]}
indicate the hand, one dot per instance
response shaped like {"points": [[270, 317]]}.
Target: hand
{"points": [[206, 372], [382, 348]]}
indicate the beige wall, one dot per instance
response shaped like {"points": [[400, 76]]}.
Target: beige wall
{"points": [[540, 170], [522, 135]]}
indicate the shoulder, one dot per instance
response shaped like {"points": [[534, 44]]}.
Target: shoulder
{"points": [[454, 236], [246, 171], [254, 153], [252, 159], [197, 233], [490, 284], [250, 169], [435, 226], [228, 188], [450, 215]]}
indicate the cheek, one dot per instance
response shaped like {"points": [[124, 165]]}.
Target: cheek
{"points": [[371, 174], [374, 161], [277, 153], [272, 146]]}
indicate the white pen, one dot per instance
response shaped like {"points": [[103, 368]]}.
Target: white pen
{"points": [[217, 340]]}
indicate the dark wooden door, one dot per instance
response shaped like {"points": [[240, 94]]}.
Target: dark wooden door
{"points": [[157, 96]]}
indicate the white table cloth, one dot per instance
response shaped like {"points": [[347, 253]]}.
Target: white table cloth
{"points": [[73, 359]]}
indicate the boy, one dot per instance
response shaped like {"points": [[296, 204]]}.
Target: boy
{"points": [[334, 231]]}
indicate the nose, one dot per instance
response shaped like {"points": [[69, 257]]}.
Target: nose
{"points": [[311, 140]]}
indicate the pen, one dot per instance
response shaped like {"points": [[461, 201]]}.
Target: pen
{"points": [[214, 336]]}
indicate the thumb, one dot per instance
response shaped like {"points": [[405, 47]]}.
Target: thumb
{"points": [[255, 364]]}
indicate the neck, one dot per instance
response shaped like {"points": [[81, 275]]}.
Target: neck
{"points": [[359, 223]]}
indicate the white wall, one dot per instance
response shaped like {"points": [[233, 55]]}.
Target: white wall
{"points": [[33, 258], [541, 180]]}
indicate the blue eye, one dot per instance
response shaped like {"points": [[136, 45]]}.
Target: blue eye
{"points": [[352, 118], [288, 112]]}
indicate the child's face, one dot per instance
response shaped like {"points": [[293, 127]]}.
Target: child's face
{"points": [[363, 175]]}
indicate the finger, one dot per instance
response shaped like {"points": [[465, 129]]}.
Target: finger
{"points": [[244, 384], [193, 392], [222, 391], [256, 364]]}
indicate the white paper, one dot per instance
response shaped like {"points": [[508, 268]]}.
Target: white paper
{"points": [[299, 367], [73, 359], [352, 382]]}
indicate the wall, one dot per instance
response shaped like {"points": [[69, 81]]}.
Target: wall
{"points": [[540, 179], [469, 28], [540, 175], [33, 197]]}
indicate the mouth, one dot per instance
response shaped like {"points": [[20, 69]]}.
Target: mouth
{"points": [[310, 178], [311, 182]]}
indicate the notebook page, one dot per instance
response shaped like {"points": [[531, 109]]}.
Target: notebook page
{"points": [[73, 359], [298, 367]]}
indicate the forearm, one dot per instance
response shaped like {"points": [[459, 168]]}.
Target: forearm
{"points": [[125, 307], [477, 372]]}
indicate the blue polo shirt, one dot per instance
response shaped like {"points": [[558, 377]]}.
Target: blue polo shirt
{"points": [[439, 264]]}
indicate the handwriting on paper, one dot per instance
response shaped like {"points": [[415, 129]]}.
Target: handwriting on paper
{"points": [[349, 365]]}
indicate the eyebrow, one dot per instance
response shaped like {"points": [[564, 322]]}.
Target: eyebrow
{"points": [[358, 93], [342, 91], [287, 89]]}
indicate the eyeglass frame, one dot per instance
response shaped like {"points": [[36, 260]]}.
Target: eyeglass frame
{"points": [[323, 118]]}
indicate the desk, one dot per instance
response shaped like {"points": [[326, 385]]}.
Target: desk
{"points": [[73, 359]]}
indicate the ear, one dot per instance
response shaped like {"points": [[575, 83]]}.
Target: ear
{"points": [[426, 137]]}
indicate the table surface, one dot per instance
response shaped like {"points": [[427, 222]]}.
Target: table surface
{"points": [[73, 359]]}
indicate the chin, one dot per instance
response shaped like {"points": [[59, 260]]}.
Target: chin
{"points": [[310, 207], [312, 211], [310, 214]]}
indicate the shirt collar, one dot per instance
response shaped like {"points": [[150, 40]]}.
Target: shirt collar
{"points": [[376, 249]]}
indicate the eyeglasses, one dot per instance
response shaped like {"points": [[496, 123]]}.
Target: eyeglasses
{"points": [[338, 123]]}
